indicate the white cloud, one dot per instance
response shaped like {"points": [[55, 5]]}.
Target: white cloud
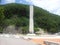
{"points": [[49, 5], [9, 1]]}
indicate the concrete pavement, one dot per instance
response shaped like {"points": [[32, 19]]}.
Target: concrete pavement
{"points": [[11, 40]]}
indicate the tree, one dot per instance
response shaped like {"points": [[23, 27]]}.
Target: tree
{"points": [[1, 18], [18, 15]]}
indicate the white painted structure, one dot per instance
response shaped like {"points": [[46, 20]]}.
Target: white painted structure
{"points": [[31, 22]]}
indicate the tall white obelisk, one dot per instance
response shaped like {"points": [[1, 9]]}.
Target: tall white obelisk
{"points": [[31, 22]]}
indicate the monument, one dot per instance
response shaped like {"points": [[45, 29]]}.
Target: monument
{"points": [[31, 21]]}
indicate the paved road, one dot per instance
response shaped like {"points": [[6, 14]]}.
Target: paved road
{"points": [[14, 41]]}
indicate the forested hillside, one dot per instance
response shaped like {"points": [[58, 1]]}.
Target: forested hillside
{"points": [[18, 15]]}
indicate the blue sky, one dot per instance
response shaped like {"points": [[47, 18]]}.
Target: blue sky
{"points": [[16, 1], [52, 6], [23, 2]]}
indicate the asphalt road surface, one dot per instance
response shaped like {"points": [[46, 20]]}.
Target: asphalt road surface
{"points": [[6, 40]]}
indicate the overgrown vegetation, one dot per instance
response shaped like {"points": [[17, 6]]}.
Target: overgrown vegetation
{"points": [[18, 15]]}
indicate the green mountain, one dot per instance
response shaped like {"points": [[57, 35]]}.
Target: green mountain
{"points": [[18, 15]]}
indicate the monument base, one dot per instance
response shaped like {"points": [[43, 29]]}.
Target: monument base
{"points": [[29, 34]]}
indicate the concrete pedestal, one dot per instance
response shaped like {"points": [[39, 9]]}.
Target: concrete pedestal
{"points": [[31, 34]]}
